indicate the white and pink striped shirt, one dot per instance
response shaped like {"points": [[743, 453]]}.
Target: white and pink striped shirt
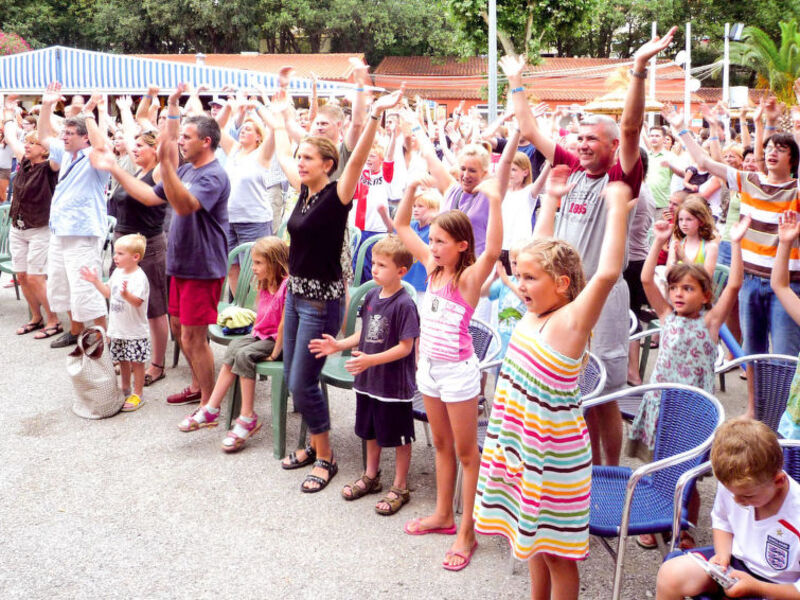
{"points": [[444, 325]]}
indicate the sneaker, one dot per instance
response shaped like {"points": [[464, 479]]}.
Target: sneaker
{"points": [[187, 396], [199, 419], [239, 433], [132, 403], [67, 339]]}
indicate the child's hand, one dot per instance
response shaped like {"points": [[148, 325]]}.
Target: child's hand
{"points": [[499, 269], [359, 363], [662, 231], [323, 347], [788, 228], [677, 249], [620, 196], [747, 585], [721, 560], [691, 187], [557, 185], [89, 274], [738, 230], [124, 286]]}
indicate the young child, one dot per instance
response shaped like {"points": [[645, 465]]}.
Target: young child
{"points": [[447, 373], [536, 466], [694, 235], [755, 522], [788, 231], [693, 178], [271, 268], [505, 289], [383, 367], [426, 206], [128, 330]]}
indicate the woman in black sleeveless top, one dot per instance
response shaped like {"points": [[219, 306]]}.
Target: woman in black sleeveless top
{"points": [[315, 290], [135, 217]]}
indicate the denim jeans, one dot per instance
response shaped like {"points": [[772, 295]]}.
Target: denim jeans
{"points": [[724, 256], [763, 317], [304, 320]]}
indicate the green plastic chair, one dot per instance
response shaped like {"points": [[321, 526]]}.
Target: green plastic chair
{"points": [[5, 251], [719, 280], [246, 291], [362, 253]]}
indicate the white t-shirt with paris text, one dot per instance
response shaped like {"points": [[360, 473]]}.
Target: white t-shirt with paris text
{"points": [[126, 321]]}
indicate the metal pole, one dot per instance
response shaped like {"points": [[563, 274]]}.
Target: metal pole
{"points": [[651, 118], [726, 73], [492, 60], [687, 93]]}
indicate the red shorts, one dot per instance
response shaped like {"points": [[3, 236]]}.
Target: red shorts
{"points": [[194, 301]]}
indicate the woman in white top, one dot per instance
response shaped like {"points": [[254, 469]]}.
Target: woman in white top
{"points": [[251, 173], [6, 156]]}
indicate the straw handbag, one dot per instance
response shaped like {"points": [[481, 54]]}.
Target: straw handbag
{"points": [[97, 395]]}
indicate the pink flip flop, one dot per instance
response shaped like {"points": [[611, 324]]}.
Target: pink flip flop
{"points": [[441, 530], [466, 558]]}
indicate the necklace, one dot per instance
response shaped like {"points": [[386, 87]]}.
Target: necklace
{"points": [[308, 202], [547, 312]]}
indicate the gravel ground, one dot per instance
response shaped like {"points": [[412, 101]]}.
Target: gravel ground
{"points": [[129, 507]]}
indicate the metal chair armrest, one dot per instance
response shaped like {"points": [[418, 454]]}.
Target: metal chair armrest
{"points": [[725, 366], [644, 333], [677, 503]]}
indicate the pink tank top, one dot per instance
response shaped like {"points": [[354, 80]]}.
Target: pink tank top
{"points": [[444, 325]]}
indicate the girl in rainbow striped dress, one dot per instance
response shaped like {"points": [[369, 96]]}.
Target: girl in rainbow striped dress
{"points": [[535, 475]]}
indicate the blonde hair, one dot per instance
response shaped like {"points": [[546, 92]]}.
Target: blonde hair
{"points": [[559, 259], [257, 126], [32, 137], [275, 251], [522, 162], [135, 243], [392, 247], [377, 148], [430, 198], [745, 452], [475, 151]]}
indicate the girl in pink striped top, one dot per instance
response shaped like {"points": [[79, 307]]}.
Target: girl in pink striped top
{"points": [[447, 373]]}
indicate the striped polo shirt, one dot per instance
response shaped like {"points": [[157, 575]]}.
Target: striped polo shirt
{"points": [[764, 202]]}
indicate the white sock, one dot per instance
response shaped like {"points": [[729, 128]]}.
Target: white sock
{"points": [[213, 411]]}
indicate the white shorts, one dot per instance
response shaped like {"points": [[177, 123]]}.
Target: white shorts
{"points": [[610, 337], [28, 249], [449, 381], [66, 290]]}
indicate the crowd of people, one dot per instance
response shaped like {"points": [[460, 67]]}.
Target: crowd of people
{"points": [[552, 225]]}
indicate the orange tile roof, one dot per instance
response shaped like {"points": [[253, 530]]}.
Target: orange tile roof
{"points": [[333, 67]]}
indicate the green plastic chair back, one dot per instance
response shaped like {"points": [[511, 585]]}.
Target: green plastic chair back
{"points": [[362, 253], [721, 273], [355, 238], [5, 227], [245, 288]]}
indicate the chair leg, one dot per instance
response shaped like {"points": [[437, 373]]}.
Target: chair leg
{"points": [[235, 405], [176, 353], [457, 504], [16, 284], [722, 382], [427, 429], [279, 402]]}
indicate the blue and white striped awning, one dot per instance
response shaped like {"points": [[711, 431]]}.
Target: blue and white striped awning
{"points": [[82, 71]]}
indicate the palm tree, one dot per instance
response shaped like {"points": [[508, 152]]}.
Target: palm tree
{"points": [[776, 67]]}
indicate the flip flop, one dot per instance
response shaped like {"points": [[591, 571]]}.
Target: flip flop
{"points": [[467, 557], [28, 327], [49, 332], [440, 530]]}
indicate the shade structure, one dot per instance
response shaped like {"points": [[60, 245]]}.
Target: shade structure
{"points": [[80, 71]]}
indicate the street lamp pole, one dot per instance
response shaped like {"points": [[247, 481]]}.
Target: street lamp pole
{"points": [[492, 60], [652, 116], [687, 92]]}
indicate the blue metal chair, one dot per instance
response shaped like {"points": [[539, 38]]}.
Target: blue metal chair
{"points": [[772, 379], [631, 502]]}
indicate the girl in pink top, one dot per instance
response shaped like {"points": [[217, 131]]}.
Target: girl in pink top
{"points": [[447, 373], [271, 269]]}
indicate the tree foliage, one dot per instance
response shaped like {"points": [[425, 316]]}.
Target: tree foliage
{"points": [[11, 43]]}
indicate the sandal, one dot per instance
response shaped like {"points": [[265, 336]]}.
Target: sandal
{"points": [[372, 485], [199, 419], [28, 327], [396, 498], [331, 467], [240, 433], [49, 332], [686, 541], [295, 463], [150, 380], [647, 541]]}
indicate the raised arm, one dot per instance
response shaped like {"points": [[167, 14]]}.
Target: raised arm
{"points": [[402, 224], [513, 66], [359, 109], [274, 119], [743, 128], [10, 126], [715, 127], [506, 160], [788, 231], [633, 112], [97, 137], [703, 160], [476, 274], [43, 125], [662, 231], [143, 110], [556, 188], [727, 300], [138, 189], [346, 186]]}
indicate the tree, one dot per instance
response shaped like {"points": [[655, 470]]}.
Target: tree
{"points": [[776, 66], [11, 43]]}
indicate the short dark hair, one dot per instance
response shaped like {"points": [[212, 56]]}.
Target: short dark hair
{"points": [[206, 128], [79, 123], [786, 140], [657, 128]]}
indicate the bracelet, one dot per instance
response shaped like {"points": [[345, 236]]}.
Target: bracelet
{"points": [[374, 117], [416, 128], [713, 139], [682, 132], [771, 127], [359, 89], [638, 74], [518, 89], [173, 116]]}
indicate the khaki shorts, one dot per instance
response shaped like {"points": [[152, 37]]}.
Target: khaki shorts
{"points": [[66, 290], [28, 249]]}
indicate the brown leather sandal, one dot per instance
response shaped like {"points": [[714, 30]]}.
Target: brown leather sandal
{"points": [[396, 498], [371, 486]]}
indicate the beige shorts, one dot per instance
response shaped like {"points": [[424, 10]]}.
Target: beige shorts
{"points": [[447, 380], [66, 290], [28, 249]]}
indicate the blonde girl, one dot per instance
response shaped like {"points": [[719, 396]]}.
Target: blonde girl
{"points": [[270, 268], [447, 373]]}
